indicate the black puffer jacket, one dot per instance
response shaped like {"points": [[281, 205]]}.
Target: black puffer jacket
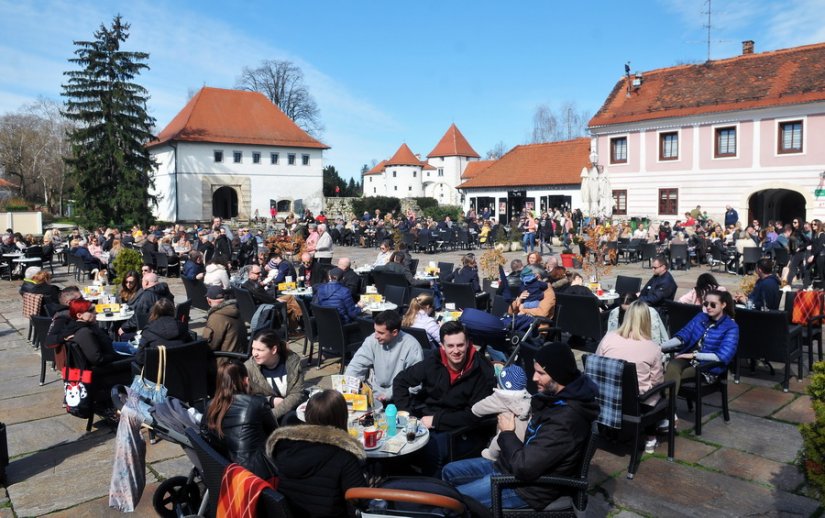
{"points": [[554, 441], [165, 330], [246, 426], [449, 404], [315, 466], [94, 343], [143, 302]]}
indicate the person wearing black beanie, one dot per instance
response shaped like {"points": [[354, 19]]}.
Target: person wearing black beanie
{"points": [[562, 417]]}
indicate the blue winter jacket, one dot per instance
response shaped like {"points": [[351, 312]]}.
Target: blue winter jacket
{"points": [[336, 295], [722, 338]]}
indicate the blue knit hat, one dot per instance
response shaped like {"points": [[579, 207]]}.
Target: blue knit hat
{"points": [[512, 377]]}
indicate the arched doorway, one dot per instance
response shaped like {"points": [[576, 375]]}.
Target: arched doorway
{"points": [[225, 203], [776, 204]]}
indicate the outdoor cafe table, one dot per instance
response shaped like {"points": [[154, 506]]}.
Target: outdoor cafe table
{"points": [[421, 439], [299, 292], [117, 316], [607, 296], [377, 307]]}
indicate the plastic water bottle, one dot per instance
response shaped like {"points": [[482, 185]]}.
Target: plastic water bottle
{"points": [[392, 420]]}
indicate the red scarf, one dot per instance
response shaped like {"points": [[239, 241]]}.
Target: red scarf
{"points": [[456, 374]]}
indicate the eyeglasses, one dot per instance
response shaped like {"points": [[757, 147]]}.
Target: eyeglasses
{"points": [[657, 266], [254, 273], [709, 304]]}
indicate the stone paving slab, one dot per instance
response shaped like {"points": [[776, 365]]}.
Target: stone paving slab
{"points": [[99, 507], [761, 401], [670, 489], [68, 478], [30, 408], [799, 411], [173, 467], [690, 451], [770, 439], [751, 467], [41, 434]]}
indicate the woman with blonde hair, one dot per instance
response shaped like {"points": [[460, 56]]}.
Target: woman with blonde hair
{"points": [[632, 343], [420, 316]]}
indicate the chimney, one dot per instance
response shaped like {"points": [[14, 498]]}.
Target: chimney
{"points": [[747, 47]]}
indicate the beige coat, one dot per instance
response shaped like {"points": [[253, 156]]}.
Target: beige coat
{"points": [[501, 400]]}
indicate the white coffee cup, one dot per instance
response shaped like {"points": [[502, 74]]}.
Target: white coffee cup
{"points": [[288, 278]]}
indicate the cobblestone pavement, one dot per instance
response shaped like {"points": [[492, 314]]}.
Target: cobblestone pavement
{"points": [[744, 467]]}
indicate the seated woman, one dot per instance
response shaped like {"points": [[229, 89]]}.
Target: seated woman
{"points": [[534, 259], [318, 462], [545, 307], [276, 373], [83, 330], [216, 273], [163, 329], [129, 287], [240, 421], [705, 283], [468, 274], [38, 281], [420, 316], [710, 336], [632, 343], [658, 331]]}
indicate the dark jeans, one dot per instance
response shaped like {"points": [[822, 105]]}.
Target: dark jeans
{"points": [[471, 477]]}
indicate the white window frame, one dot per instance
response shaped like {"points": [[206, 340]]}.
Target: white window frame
{"points": [[290, 158], [610, 138], [713, 140], [777, 133], [215, 156], [256, 157], [304, 159], [274, 158], [679, 142], [237, 157]]}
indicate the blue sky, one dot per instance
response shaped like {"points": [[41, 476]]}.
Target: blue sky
{"points": [[384, 73]]}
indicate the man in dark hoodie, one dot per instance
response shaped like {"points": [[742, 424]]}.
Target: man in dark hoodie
{"points": [[451, 381], [60, 320], [563, 411], [765, 294], [151, 291]]}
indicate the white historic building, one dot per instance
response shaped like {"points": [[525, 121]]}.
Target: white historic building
{"points": [[745, 131], [231, 153], [406, 175]]}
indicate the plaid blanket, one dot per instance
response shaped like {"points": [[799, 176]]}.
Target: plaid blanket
{"points": [[607, 374], [806, 304], [240, 490]]}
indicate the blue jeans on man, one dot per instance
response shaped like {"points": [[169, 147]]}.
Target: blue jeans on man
{"points": [[471, 477]]}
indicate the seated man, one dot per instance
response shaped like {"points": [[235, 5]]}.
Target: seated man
{"points": [[253, 284], [151, 291], [387, 352], [224, 329], [563, 411], [350, 279], [306, 268], [333, 294], [765, 294], [660, 287], [451, 382], [396, 265], [279, 269]]}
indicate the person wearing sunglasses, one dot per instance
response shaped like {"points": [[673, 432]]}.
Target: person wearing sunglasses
{"points": [[799, 245], [711, 336], [660, 287]]}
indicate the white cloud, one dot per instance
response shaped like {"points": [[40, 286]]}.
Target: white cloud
{"points": [[797, 23]]}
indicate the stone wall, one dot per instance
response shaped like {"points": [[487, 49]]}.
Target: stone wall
{"points": [[342, 207]]}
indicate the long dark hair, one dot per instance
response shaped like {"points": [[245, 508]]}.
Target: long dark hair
{"points": [[271, 339], [162, 308], [705, 283], [230, 381], [126, 293]]}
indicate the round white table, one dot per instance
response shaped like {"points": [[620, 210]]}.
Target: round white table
{"points": [[425, 277], [377, 307], [300, 292], [608, 296], [116, 317]]}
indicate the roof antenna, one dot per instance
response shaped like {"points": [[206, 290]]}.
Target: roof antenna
{"points": [[708, 25], [627, 75]]}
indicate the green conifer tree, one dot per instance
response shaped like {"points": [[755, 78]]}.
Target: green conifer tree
{"points": [[112, 168]]}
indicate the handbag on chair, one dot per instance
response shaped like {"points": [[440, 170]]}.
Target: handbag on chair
{"points": [[77, 383], [151, 392]]}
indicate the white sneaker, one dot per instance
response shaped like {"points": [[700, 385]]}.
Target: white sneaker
{"points": [[664, 423], [650, 446]]}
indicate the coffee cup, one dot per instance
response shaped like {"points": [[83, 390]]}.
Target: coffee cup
{"points": [[402, 416], [371, 436], [288, 278]]}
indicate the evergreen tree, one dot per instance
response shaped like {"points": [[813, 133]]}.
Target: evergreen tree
{"points": [[110, 165]]}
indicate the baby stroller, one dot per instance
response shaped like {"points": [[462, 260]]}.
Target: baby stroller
{"points": [[180, 495], [499, 337], [414, 497]]}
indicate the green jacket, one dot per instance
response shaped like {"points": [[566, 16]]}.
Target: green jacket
{"points": [[294, 381]]}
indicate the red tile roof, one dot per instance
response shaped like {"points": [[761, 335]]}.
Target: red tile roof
{"points": [[234, 117], [781, 77], [473, 169], [426, 166], [378, 169], [7, 184], [453, 143], [404, 156], [553, 163]]}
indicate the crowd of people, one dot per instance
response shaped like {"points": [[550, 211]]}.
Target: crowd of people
{"points": [[450, 385]]}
